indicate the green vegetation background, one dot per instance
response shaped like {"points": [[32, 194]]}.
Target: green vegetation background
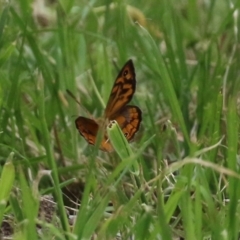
{"points": [[186, 57]]}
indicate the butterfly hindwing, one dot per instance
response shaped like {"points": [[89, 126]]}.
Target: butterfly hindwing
{"points": [[129, 119], [88, 128]]}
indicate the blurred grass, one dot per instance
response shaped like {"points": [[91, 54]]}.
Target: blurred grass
{"points": [[186, 59]]}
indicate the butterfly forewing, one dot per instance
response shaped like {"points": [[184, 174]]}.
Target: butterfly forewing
{"points": [[122, 91]]}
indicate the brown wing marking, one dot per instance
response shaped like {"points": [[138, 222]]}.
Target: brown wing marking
{"points": [[129, 119], [88, 128], [122, 91]]}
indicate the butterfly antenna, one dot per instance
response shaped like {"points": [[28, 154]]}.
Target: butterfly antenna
{"points": [[72, 96]]}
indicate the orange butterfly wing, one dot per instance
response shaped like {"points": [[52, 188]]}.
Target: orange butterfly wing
{"points": [[122, 90], [128, 117], [88, 128]]}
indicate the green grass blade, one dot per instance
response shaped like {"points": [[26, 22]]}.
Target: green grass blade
{"points": [[6, 183]]}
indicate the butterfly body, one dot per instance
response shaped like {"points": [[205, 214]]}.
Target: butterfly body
{"points": [[128, 116]]}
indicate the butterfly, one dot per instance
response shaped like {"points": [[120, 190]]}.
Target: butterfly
{"points": [[128, 117]]}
